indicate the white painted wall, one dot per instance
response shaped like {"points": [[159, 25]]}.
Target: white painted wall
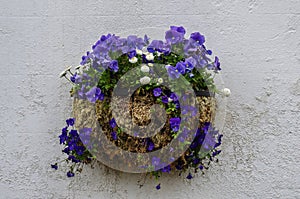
{"points": [[257, 42]]}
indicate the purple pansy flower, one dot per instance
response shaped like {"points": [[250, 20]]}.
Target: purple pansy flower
{"points": [[189, 176], [150, 145], [157, 92], [179, 29], [166, 169], [114, 65], [131, 54], [165, 99], [112, 123], [93, 94], [217, 63], [114, 135], [174, 97], [180, 67], [158, 187], [198, 38], [173, 37], [54, 166], [70, 174], [175, 123], [172, 72], [70, 121]]}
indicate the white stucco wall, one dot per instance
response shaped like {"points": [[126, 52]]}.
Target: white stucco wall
{"points": [[259, 47]]}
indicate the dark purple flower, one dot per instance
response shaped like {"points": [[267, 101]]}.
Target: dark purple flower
{"points": [[196, 161], [216, 153], [73, 158], [209, 52], [70, 174], [165, 99], [112, 123], [85, 59], [174, 97], [157, 92], [196, 36], [73, 133], [201, 167], [114, 65], [79, 150], [93, 94], [172, 72], [66, 150], [158, 187], [175, 123], [114, 135], [63, 137], [54, 166], [150, 145], [166, 169], [70, 121], [217, 63], [155, 45], [131, 54], [189, 176]]}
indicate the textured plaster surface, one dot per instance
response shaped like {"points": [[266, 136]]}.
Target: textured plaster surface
{"points": [[257, 42]]}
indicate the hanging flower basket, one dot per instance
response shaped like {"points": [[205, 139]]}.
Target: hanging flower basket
{"points": [[144, 106]]}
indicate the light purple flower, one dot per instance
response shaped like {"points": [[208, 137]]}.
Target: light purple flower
{"points": [[172, 72], [93, 94]]}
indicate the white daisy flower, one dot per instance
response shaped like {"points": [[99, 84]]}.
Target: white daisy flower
{"points": [[145, 80], [139, 52], [160, 80], [145, 68], [150, 57], [133, 60]]}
